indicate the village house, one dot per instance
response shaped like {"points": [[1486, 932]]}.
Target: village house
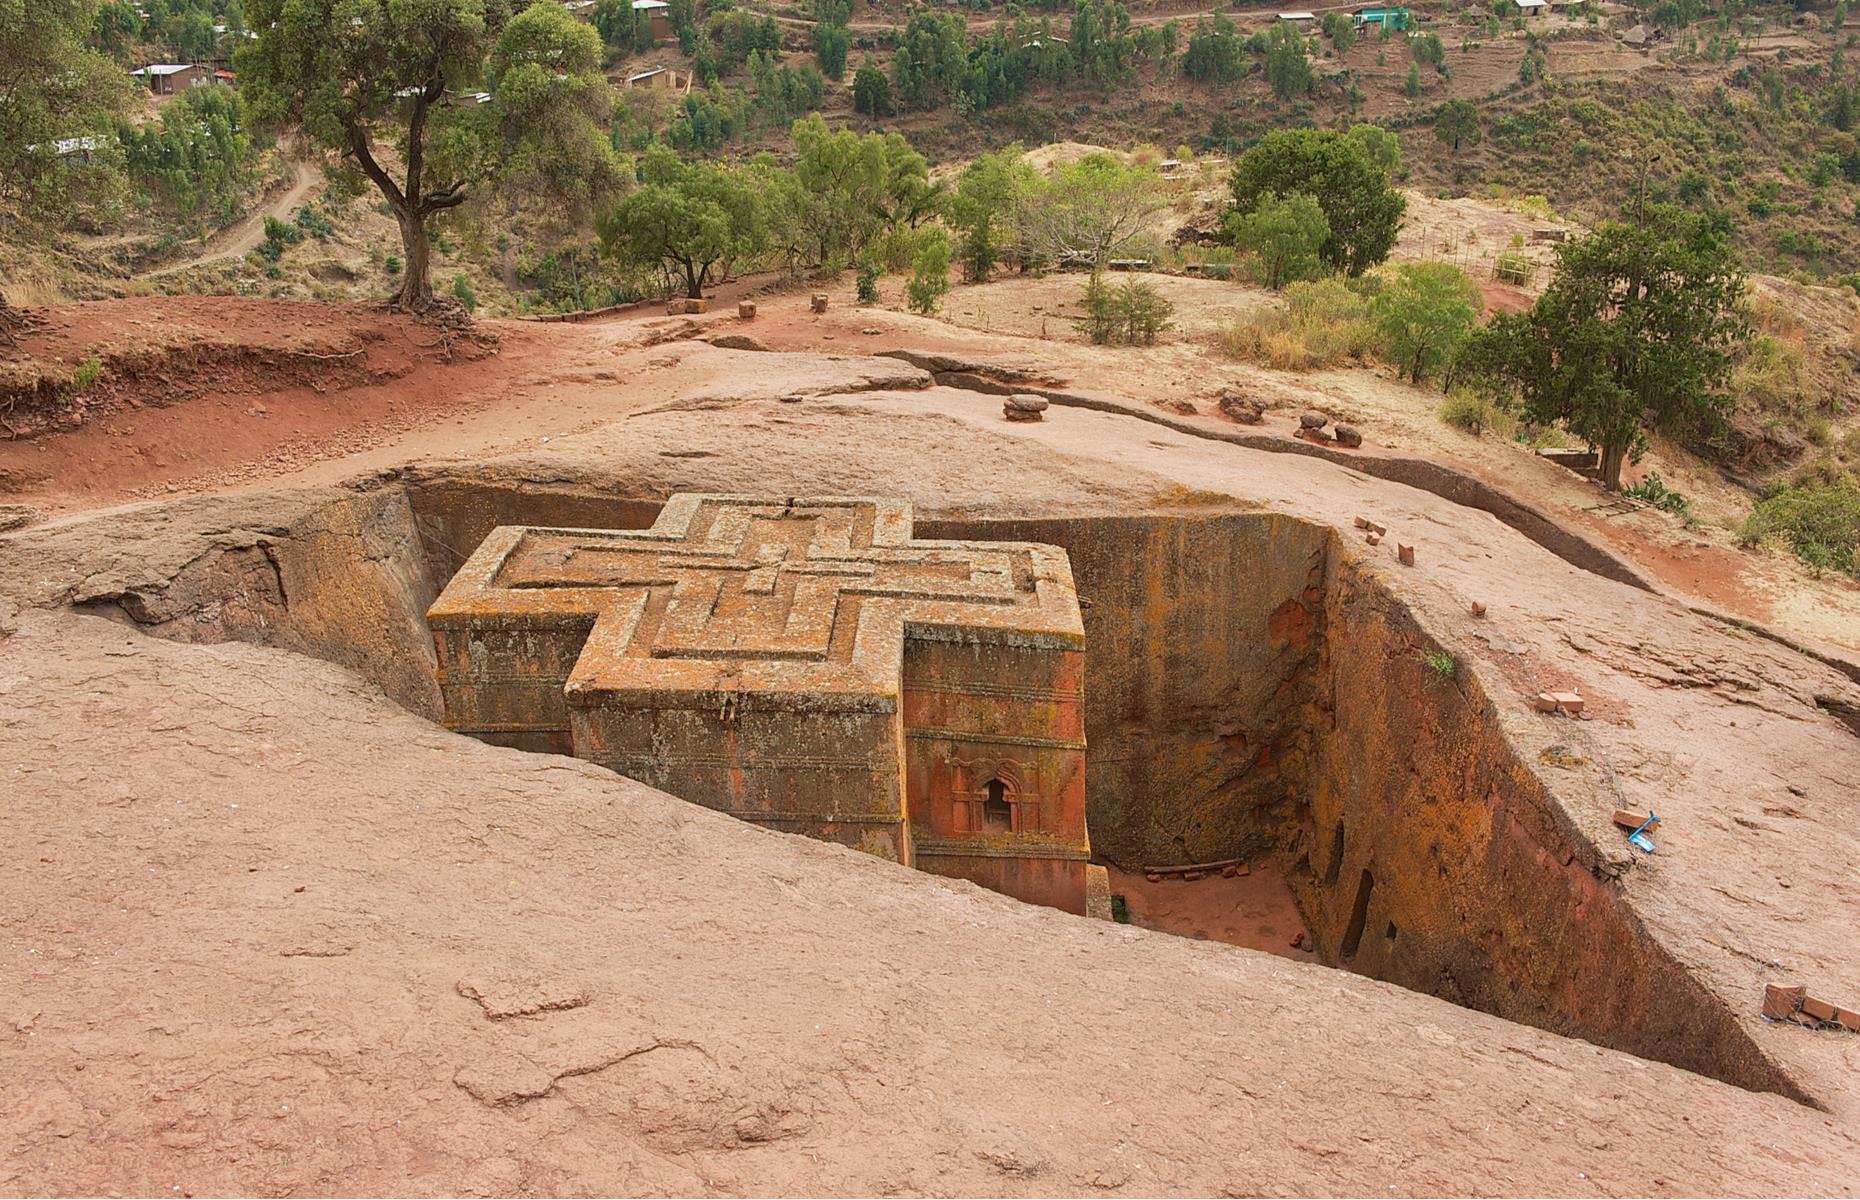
{"points": [[658, 14], [664, 78], [166, 79]]}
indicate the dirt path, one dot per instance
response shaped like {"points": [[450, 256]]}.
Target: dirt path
{"points": [[244, 236]]}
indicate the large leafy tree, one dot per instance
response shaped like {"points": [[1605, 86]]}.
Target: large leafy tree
{"points": [[378, 83], [846, 190], [694, 220], [1090, 210], [1288, 61], [989, 207], [1637, 328], [1423, 312], [1284, 234], [1456, 122], [1364, 211], [52, 88]]}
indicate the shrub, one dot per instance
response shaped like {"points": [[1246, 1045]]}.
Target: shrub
{"points": [[281, 233], [393, 264], [1142, 312], [929, 274], [315, 224], [1654, 491], [1821, 523], [1132, 314], [1323, 322], [462, 291], [866, 281], [1464, 410]]}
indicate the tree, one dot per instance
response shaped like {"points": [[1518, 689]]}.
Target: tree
{"points": [[1423, 313], [1288, 64], [356, 73], [1456, 122], [1637, 328], [830, 45], [1215, 51], [1089, 210], [544, 135], [987, 210], [52, 87], [847, 189], [929, 279], [1381, 147], [1363, 210], [690, 219], [1340, 28], [1285, 234], [871, 90]]}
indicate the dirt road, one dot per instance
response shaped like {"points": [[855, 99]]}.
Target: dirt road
{"points": [[244, 236]]}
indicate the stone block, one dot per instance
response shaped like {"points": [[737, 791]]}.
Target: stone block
{"points": [[1478, 608], [1405, 554], [1630, 820], [820, 302], [1312, 420], [1348, 435], [1781, 1001], [746, 309]]}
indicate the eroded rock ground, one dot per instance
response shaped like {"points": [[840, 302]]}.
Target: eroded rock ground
{"points": [[267, 928]]}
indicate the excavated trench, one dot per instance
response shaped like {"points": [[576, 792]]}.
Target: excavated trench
{"points": [[1250, 695]]}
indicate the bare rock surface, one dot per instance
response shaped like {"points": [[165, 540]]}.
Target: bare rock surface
{"points": [[748, 1012]]}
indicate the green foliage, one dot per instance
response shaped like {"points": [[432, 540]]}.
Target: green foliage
{"points": [[82, 377], [1820, 521], [314, 224], [1513, 268], [1216, 52], [392, 265], [278, 231], [1340, 29], [1380, 147], [988, 210], [1091, 211], [1131, 314], [1639, 324], [1654, 491], [350, 73], [195, 160], [1457, 121], [846, 190], [1284, 234], [1323, 323], [831, 43], [689, 219], [463, 293], [1364, 212], [1422, 314], [871, 90], [1411, 86], [866, 281], [929, 279], [1465, 410], [1441, 666], [1428, 50], [1288, 63], [54, 87]]}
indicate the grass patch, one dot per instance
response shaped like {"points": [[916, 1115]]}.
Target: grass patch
{"points": [[1323, 323]]}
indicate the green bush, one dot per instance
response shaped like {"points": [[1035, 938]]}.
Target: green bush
{"points": [[281, 233], [1820, 522], [314, 223], [1463, 410], [462, 291], [1654, 491], [867, 281], [1129, 315], [393, 264], [929, 279]]}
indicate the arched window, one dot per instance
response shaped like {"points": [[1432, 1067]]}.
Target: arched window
{"points": [[997, 813]]}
